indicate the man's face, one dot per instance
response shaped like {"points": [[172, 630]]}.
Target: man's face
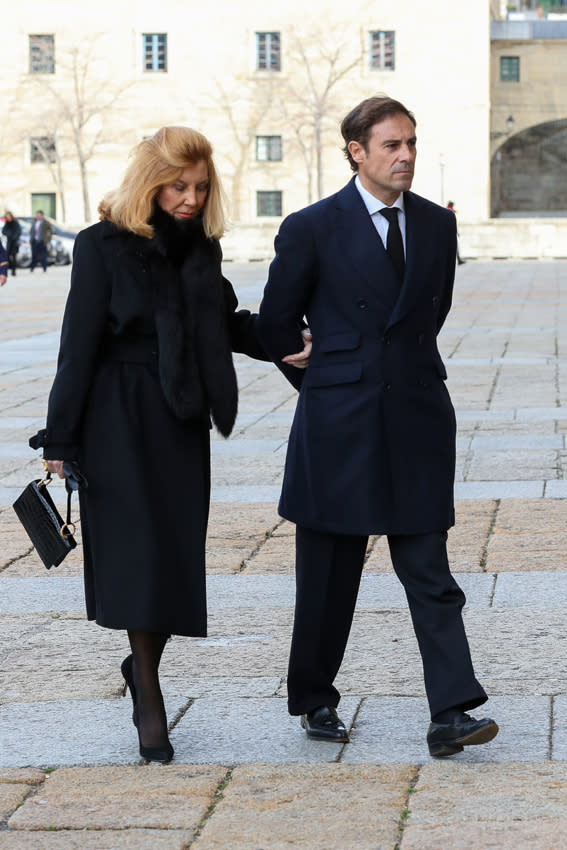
{"points": [[39, 216], [387, 169]]}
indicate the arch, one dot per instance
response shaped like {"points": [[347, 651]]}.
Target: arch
{"points": [[529, 172]]}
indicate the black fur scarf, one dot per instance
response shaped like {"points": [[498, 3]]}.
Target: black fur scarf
{"points": [[195, 359]]}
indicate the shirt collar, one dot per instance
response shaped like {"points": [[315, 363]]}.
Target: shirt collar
{"points": [[373, 204]]}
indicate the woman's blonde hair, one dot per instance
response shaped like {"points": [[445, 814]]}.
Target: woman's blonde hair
{"points": [[159, 161]]}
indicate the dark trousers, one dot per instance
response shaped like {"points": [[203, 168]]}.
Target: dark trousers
{"points": [[12, 260], [328, 572], [39, 255]]}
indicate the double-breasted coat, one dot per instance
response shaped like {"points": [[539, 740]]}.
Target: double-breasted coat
{"points": [[145, 360], [372, 445]]}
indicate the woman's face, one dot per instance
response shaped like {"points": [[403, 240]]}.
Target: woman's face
{"points": [[185, 198]]}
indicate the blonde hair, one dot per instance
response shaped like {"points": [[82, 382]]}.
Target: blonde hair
{"points": [[159, 161]]}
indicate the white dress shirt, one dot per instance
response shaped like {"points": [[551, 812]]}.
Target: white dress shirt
{"points": [[373, 205]]}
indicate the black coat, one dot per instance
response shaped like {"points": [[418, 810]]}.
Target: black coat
{"points": [[145, 359], [372, 446], [12, 230]]}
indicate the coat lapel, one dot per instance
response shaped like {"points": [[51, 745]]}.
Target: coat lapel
{"points": [[359, 240]]}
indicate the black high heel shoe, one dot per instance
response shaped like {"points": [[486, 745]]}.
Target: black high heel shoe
{"points": [[162, 754], [128, 673]]}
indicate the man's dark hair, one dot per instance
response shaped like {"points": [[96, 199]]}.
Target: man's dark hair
{"points": [[356, 126]]}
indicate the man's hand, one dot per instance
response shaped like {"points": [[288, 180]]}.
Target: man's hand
{"points": [[301, 359], [3, 279]]}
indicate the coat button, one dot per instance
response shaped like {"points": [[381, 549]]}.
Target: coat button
{"points": [[420, 339], [388, 387], [362, 303], [436, 299]]}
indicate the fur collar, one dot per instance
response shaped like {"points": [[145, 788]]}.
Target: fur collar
{"points": [[195, 358]]}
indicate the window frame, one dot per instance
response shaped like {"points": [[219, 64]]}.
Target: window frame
{"points": [[268, 197], [48, 143], [271, 147], [44, 45], [152, 49], [270, 53], [378, 50], [509, 62]]}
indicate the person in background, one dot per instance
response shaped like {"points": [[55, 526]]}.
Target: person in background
{"points": [[372, 445], [451, 206], [12, 231], [145, 363], [3, 265], [40, 237]]}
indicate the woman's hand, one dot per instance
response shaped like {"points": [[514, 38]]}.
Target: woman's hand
{"points": [[55, 467], [301, 359]]}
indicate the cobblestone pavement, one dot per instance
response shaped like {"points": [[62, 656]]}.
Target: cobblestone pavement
{"points": [[244, 775]]}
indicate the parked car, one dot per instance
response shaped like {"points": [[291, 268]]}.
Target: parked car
{"points": [[60, 248]]}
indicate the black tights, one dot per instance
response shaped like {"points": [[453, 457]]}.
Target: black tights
{"points": [[147, 649]]}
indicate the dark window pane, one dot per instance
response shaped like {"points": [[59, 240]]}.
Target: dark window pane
{"points": [[42, 54], [268, 51], [510, 69], [42, 149], [383, 50], [155, 51], [268, 203], [268, 148]]}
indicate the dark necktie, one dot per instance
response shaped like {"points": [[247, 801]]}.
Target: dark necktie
{"points": [[394, 242]]}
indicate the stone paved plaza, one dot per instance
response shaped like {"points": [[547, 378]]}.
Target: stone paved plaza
{"points": [[244, 776]]}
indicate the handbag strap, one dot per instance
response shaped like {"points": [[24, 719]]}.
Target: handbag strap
{"points": [[68, 528]]}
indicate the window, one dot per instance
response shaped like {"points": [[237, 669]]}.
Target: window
{"points": [[45, 201], [268, 148], [42, 149], [155, 51], [510, 69], [268, 203], [268, 56], [383, 50], [42, 54]]}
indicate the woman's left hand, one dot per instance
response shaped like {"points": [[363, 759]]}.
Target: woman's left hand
{"points": [[301, 359]]}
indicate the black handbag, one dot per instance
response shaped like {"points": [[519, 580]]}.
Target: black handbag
{"points": [[51, 536]]}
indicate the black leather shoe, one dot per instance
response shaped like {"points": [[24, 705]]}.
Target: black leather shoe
{"points": [[324, 724], [447, 739]]}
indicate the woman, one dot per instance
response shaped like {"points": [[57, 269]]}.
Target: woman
{"points": [[12, 231], [145, 361]]}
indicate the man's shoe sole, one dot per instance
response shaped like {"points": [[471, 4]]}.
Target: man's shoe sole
{"points": [[440, 749]]}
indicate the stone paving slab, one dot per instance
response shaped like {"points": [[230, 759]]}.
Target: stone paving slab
{"points": [[64, 594], [83, 839], [166, 797], [517, 590], [526, 719], [250, 730], [517, 833], [316, 806], [560, 727]]}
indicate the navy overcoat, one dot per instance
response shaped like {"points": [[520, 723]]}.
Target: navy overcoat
{"points": [[372, 445]]}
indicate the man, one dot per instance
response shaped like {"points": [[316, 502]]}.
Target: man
{"points": [[40, 237], [372, 445]]}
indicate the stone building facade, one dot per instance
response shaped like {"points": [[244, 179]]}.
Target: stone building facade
{"points": [[268, 83]]}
